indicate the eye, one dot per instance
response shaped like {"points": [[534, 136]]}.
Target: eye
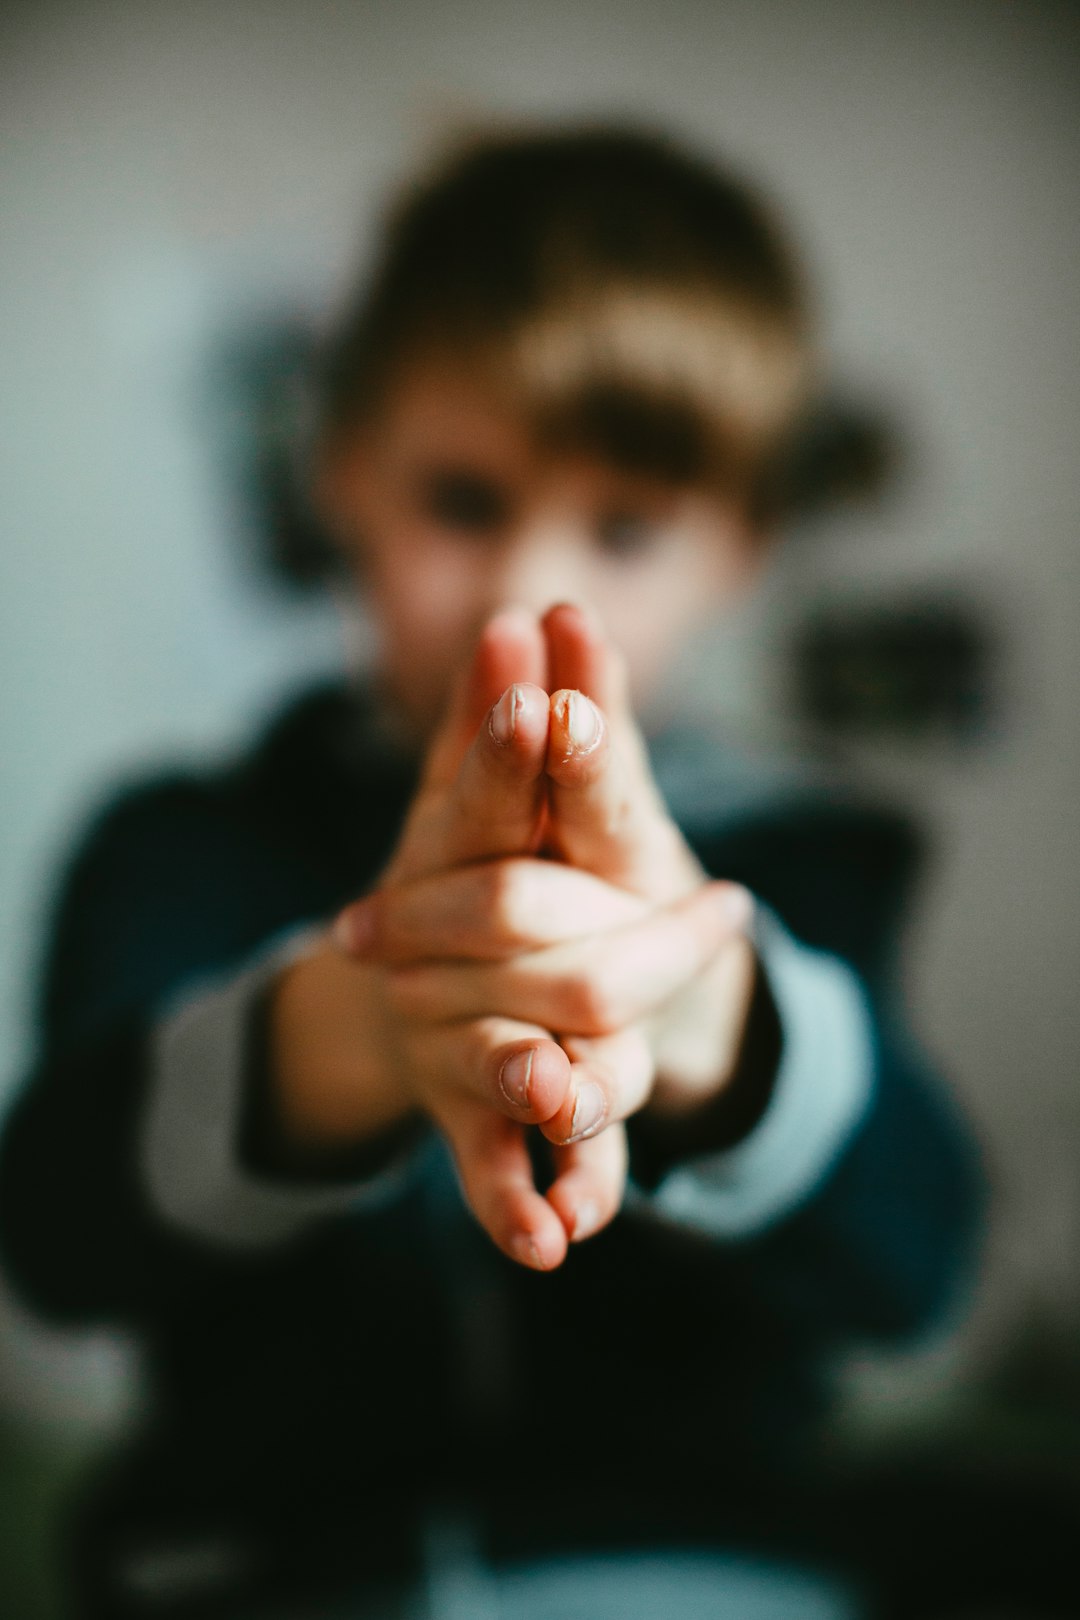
{"points": [[628, 534], [467, 502]]}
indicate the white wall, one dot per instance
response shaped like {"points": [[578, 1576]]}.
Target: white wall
{"points": [[168, 165]]}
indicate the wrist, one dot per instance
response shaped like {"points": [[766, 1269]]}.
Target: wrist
{"points": [[698, 1048], [703, 1122]]}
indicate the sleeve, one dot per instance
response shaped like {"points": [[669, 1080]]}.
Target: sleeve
{"points": [[856, 1195], [191, 1154], [122, 1184]]}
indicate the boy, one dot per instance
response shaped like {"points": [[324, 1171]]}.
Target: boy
{"points": [[566, 393]]}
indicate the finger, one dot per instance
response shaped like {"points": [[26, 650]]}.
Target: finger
{"points": [[488, 911], [509, 649], [496, 803], [606, 813], [587, 987], [612, 1078], [496, 1179], [590, 1183], [580, 656], [498, 1063]]}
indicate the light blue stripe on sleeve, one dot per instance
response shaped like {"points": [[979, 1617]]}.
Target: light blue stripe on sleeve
{"points": [[189, 1160]]}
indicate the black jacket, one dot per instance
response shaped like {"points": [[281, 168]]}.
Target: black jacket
{"points": [[394, 1356]]}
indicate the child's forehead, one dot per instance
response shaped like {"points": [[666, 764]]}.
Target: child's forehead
{"points": [[445, 403]]}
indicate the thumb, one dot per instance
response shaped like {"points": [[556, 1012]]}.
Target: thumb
{"points": [[509, 648], [607, 816], [482, 794]]}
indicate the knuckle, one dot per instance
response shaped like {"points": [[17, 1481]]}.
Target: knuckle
{"points": [[407, 993], [591, 1003], [507, 901]]}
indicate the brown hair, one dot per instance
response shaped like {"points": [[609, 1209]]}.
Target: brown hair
{"points": [[627, 296]]}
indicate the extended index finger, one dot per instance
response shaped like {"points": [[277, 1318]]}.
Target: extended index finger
{"points": [[510, 649], [606, 812], [495, 804], [581, 657]]}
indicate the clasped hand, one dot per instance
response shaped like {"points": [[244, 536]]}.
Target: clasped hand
{"points": [[543, 951]]}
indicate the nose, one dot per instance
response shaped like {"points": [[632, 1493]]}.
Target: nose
{"points": [[538, 567]]}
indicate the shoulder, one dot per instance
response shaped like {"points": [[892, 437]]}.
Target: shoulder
{"points": [[156, 826], [190, 870], [316, 752]]}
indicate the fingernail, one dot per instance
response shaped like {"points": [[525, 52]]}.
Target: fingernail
{"points": [[582, 721], [589, 1111], [514, 1077], [504, 715], [527, 1252], [354, 928], [586, 1221]]}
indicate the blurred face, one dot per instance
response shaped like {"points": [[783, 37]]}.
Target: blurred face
{"points": [[448, 510]]}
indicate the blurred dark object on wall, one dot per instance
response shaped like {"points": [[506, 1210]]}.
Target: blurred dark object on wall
{"points": [[260, 386], [905, 667]]}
